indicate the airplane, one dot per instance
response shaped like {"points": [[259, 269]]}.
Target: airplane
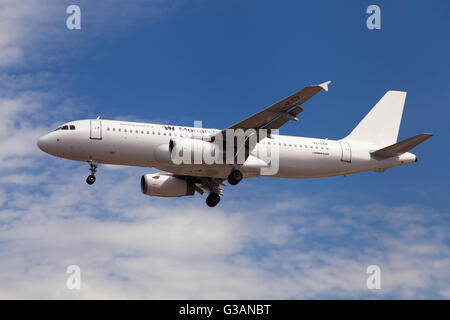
{"points": [[371, 146]]}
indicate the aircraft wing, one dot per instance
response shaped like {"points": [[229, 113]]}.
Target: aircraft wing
{"points": [[281, 112], [274, 116]]}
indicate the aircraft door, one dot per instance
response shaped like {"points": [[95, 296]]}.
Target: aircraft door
{"points": [[346, 152], [96, 129]]}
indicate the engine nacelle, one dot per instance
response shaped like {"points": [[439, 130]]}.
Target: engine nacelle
{"points": [[162, 185]]}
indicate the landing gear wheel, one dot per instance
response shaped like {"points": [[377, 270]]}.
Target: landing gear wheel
{"points": [[235, 177], [91, 179], [212, 200]]}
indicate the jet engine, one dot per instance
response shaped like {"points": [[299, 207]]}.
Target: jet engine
{"points": [[163, 185]]}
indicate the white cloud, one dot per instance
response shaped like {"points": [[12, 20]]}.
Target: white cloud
{"points": [[132, 246], [31, 29], [22, 25], [26, 115]]}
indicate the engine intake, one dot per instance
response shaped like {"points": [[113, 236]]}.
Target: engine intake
{"points": [[163, 185]]}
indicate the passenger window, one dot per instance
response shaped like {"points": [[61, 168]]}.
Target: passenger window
{"points": [[159, 133], [120, 130], [114, 129]]}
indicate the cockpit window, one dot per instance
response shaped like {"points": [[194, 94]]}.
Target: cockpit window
{"points": [[66, 127]]}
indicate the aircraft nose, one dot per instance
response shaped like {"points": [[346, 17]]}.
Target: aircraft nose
{"points": [[43, 143]]}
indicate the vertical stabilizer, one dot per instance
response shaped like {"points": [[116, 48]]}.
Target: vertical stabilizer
{"points": [[382, 123]]}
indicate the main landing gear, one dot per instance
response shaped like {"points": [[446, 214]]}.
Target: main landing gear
{"points": [[213, 199], [91, 179], [235, 177]]}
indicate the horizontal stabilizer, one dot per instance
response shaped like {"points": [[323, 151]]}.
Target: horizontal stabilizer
{"points": [[401, 147]]}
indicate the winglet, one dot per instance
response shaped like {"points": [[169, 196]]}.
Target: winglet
{"points": [[324, 85]]}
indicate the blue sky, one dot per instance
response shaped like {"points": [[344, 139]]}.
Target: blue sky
{"points": [[220, 61]]}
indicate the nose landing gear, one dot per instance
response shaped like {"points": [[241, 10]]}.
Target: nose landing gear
{"points": [[91, 179]]}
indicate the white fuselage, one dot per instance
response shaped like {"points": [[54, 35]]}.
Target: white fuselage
{"points": [[136, 144]]}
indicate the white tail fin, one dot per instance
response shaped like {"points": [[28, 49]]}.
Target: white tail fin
{"points": [[382, 123]]}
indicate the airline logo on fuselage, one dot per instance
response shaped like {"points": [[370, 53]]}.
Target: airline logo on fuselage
{"points": [[190, 130]]}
